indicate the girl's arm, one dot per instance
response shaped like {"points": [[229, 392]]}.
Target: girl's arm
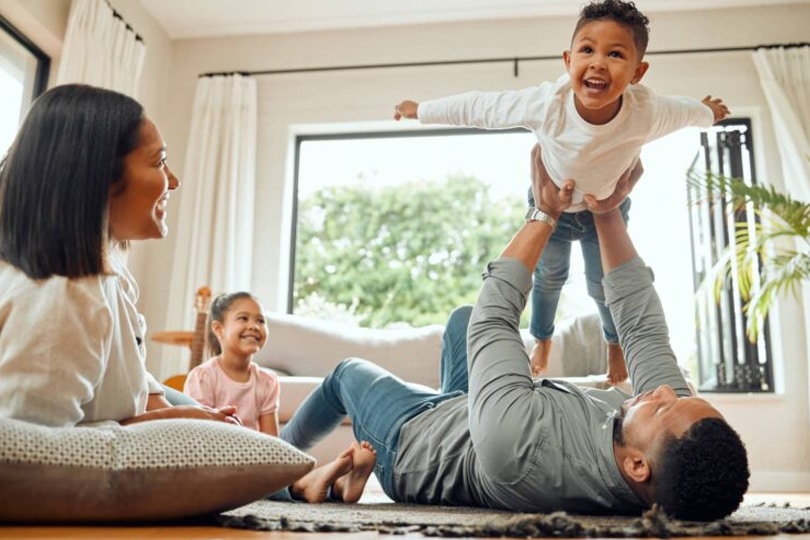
{"points": [[270, 390], [200, 386], [268, 423]]}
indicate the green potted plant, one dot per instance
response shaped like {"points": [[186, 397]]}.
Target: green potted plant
{"points": [[769, 257]]}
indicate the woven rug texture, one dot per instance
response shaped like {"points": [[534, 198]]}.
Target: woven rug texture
{"points": [[396, 518]]}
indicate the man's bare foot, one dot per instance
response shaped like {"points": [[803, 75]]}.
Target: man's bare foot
{"points": [[617, 367], [539, 359], [350, 486], [314, 486]]}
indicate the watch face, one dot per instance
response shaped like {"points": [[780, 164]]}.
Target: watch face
{"points": [[535, 214]]}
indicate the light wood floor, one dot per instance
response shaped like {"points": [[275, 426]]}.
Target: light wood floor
{"points": [[801, 500]]}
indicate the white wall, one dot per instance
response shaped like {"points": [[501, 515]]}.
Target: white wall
{"points": [[776, 428]]}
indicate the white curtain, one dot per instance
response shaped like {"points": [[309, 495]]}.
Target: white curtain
{"points": [[784, 74], [214, 231], [100, 50]]}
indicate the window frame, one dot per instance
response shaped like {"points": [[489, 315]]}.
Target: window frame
{"points": [[43, 70], [347, 135]]}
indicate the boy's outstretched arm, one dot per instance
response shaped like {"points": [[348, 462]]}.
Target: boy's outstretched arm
{"points": [[406, 109], [717, 106]]}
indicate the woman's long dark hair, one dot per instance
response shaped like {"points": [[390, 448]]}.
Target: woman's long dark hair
{"points": [[55, 180]]}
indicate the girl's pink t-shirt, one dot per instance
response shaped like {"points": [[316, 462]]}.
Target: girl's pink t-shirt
{"points": [[210, 386]]}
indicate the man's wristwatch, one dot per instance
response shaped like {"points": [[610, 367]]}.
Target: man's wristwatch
{"points": [[535, 214]]}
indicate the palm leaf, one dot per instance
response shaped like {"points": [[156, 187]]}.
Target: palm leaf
{"points": [[782, 276], [757, 261]]}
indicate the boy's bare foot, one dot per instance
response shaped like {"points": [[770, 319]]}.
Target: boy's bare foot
{"points": [[539, 359], [617, 367], [350, 486], [314, 486]]}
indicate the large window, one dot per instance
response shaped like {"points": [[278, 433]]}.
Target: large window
{"points": [[23, 76], [395, 228]]}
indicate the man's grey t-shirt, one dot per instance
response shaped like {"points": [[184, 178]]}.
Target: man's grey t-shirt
{"points": [[534, 444]]}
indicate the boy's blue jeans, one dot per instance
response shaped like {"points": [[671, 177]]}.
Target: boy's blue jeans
{"points": [[379, 403], [551, 272]]}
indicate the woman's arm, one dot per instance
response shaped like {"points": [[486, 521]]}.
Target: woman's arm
{"points": [[156, 411]]}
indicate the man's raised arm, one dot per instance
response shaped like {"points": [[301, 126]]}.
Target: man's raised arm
{"points": [[632, 299]]}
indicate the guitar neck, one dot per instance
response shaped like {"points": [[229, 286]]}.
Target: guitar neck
{"points": [[198, 341]]}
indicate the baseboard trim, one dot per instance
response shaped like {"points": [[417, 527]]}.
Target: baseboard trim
{"points": [[784, 482]]}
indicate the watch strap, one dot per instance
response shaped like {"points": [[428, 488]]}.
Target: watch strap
{"points": [[535, 214]]}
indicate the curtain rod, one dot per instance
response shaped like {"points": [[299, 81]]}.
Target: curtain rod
{"points": [[515, 61], [123, 20]]}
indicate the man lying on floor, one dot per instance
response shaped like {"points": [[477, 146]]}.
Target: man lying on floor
{"points": [[513, 442]]}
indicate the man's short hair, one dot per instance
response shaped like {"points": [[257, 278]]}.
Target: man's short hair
{"points": [[623, 13], [702, 475]]}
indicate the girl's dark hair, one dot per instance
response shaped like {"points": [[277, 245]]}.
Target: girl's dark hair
{"points": [[55, 180], [219, 307], [623, 13]]}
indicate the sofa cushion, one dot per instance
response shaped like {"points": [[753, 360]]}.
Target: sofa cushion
{"points": [[163, 469], [302, 347], [311, 348]]}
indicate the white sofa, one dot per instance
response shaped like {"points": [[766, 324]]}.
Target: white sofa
{"points": [[302, 351]]}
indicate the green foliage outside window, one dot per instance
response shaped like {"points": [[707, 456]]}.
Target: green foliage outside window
{"points": [[405, 254]]}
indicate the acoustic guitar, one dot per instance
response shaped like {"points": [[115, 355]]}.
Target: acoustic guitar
{"points": [[202, 302], [199, 341]]}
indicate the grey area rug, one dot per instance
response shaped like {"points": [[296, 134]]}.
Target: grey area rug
{"points": [[391, 518]]}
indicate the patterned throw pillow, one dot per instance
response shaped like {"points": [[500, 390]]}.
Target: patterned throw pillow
{"points": [[163, 469]]}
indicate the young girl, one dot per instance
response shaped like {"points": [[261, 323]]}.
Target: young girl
{"points": [[237, 332]]}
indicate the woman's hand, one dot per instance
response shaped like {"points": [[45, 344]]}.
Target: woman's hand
{"points": [[200, 412], [548, 198], [222, 414]]}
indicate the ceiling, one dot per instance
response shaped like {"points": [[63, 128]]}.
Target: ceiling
{"points": [[209, 18]]}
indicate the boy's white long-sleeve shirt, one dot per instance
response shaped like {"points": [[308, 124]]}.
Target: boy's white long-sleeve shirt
{"points": [[595, 156]]}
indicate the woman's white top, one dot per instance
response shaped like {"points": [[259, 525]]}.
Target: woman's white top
{"points": [[72, 350]]}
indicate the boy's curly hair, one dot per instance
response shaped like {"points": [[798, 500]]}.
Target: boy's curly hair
{"points": [[702, 475], [623, 13]]}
